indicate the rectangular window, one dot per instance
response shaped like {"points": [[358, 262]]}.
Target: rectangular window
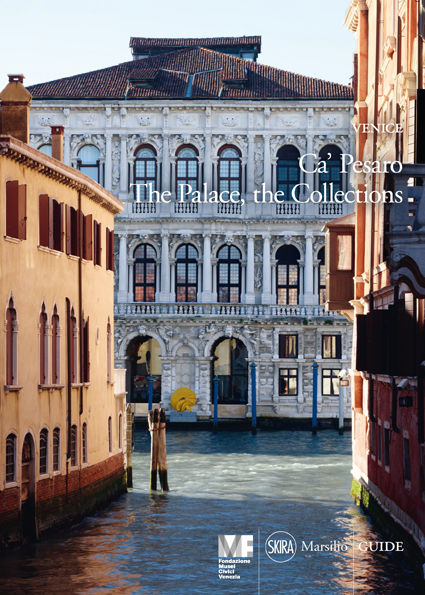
{"points": [[330, 382], [16, 210], [73, 446], [344, 253], [86, 353], [97, 243], [288, 346], [373, 438], [87, 221], [331, 346], [109, 249], [387, 436], [406, 460], [56, 449], [288, 382], [73, 231], [50, 223], [379, 443]]}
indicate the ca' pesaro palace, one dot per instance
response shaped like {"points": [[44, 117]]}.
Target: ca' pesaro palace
{"points": [[204, 290], [387, 300]]}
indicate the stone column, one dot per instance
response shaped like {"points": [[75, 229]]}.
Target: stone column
{"points": [[123, 269], [172, 182], [214, 280], [108, 161], [67, 148], [123, 167], [165, 163], [266, 296], [308, 270], [207, 271], [164, 295], [250, 291], [131, 279], [207, 163], [267, 162], [250, 166]]}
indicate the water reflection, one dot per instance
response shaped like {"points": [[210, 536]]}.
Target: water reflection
{"points": [[231, 483]]}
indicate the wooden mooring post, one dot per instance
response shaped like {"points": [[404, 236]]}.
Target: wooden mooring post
{"points": [[157, 429]]}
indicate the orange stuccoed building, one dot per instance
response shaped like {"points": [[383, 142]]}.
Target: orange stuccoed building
{"points": [[386, 241], [62, 404]]}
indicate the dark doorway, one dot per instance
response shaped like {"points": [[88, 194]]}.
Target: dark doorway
{"points": [[230, 365], [143, 360], [29, 529]]}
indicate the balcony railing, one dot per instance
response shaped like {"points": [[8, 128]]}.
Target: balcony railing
{"points": [[175, 310]]}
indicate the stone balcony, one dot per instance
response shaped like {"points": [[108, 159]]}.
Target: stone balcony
{"points": [[249, 210], [217, 310], [406, 229]]}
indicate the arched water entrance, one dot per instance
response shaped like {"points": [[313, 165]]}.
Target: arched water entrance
{"points": [[231, 366], [28, 488], [143, 360]]}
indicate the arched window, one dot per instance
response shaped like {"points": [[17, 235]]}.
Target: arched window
{"points": [[56, 449], [73, 445], [230, 365], [331, 155], [187, 170], [89, 162], [110, 434], [11, 458], [229, 170], [288, 170], [11, 344], [322, 276], [288, 273], [144, 273], [186, 273], [55, 348], [74, 347], [229, 275], [44, 447], [84, 442], [43, 346], [120, 431], [109, 352], [145, 171], [46, 149]]}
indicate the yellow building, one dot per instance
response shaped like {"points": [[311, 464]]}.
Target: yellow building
{"points": [[62, 423]]}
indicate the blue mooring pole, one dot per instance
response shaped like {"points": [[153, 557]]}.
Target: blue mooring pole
{"points": [[150, 393], [254, 397], [314, 415], [215, 404]]}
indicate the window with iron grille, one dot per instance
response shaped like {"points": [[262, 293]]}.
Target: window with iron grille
{"points": [[144, 273], [11, 458], [56, 449], [145, 172], [44, 443], [330, 382], [186, 273], [288, 382], [229, 275], [84, 442], [288, 275], [229, 170]]}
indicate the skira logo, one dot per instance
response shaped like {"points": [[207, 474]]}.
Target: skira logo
{"points": [[235, 546], [281, 546]]}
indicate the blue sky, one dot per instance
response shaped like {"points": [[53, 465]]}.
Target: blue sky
{"points": [[52, 39]]}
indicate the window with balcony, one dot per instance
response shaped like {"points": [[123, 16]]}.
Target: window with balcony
{"points": [[288, 346], [186, 273], [145, 172], [229, 170], [229, 274], [288, 170], [288, 275], [331, 346], [186, 171], [88, 162], [144, 273], [288, 382], [331, 155], [330, 382]]}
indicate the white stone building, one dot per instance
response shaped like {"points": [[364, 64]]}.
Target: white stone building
{"points": [[203, 290]]}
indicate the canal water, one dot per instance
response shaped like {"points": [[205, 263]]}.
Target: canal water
{"points": [[231, 483]]}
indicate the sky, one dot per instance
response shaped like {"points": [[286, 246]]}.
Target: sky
{"points": [[48, 39]]}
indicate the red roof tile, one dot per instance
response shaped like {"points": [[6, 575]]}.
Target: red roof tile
{"points": [[141, 43], [171, 73]]}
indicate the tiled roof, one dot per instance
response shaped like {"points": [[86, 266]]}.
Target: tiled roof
{"points": [[171, 78], [141, 43]]}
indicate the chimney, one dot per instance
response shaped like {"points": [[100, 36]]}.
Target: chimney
{"points": [[57, 142], [15, 109]]}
